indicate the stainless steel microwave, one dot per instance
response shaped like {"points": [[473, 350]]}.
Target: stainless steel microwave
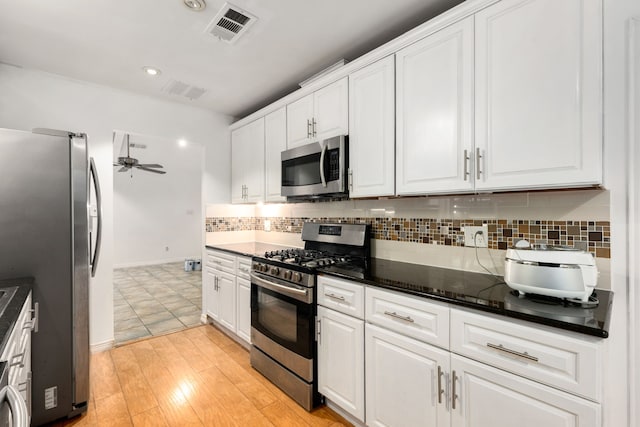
{"points": [[315, 170]]}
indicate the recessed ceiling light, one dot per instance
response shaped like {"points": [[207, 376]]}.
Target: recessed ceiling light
{"points": [[151, 71], [182, 143], [195, 5]]}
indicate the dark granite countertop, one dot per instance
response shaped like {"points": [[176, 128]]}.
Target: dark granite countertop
{"points": [[483, 292], [247, 248], [12, 312]]}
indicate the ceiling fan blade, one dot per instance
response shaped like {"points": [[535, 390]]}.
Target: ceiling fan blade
{"points": [[123, 169], [117, 164], [150, 170], [150, 165]]}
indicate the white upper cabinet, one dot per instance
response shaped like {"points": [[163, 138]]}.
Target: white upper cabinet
{"points": [[275, 142], [539, 94], [318, 116], [371, 130], [247, 163], [299, 115], [434, 112]]}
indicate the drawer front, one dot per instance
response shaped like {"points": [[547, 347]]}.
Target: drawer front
{"points": [[221, 261], [341, 295], [243, 267], [558, 359], [426, 321]]}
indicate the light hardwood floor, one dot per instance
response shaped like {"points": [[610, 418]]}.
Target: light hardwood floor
{"points": [[196, 377]]}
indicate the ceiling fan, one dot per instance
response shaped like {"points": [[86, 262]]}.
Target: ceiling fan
{"points": [[128, 163]]}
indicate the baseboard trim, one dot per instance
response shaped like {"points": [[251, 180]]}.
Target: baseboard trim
{"points": [[102, 346], [153, 262]]}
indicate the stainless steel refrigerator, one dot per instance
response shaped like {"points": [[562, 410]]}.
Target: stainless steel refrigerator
{"points": [[45, 233]]}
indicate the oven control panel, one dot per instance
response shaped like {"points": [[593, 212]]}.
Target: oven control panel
{"points": [[265, 269]]}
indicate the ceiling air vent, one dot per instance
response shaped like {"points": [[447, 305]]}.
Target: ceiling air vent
{"points": [[230, 23], [176, 87]]}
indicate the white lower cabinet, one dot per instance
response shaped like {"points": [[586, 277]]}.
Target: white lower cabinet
{"points": [[405, 381], [428, 364], [227, 299], [486, 396], [340, 356], [226, 291], [244, 309]]}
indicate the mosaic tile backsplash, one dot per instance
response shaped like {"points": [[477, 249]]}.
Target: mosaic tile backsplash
{"points": [[503, 233]]}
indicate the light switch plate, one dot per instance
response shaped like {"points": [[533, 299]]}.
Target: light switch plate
{"points": [[473, 240]]}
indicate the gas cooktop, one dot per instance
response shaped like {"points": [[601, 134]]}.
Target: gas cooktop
{"points": [[306, 257]]}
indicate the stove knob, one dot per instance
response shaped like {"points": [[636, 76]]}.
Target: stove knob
{"points": [[297, 277], [275, 271], [321, 262], [264, 268], [287, 275]]}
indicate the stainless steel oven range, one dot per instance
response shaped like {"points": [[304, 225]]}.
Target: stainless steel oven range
{"points": [[283, 304]]}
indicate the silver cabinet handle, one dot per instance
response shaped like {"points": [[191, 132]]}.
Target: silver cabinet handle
{"points": [[524, 355], [350, 180], [308, 128], [440, 389], [339, 298], [318, 330], [322, 177], [33, 324], [478, 163], [397, 316], [466, 164], [245, 269], [454, 396], [313, 127], [19, 362]]}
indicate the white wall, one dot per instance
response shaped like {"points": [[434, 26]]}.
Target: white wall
{"points": [[35, 99], [158, 218]]}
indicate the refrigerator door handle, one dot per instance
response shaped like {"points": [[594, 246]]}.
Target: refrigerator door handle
{"points": [[96, 186]]}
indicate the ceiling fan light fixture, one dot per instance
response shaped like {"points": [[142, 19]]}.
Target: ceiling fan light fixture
{"points": [[195, 5]]}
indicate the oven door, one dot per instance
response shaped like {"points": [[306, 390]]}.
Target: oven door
{"points": [[284, 313], [315, 169]]}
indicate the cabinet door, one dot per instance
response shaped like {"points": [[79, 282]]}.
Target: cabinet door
{"points": [[434, 112], [247, 163], [227, 300], [299, 116], [275, 142], [210, 293], [403, 387], [244, 309], [341, 360], [331, 110], [491, 397], [371, 130], [539, 94]]}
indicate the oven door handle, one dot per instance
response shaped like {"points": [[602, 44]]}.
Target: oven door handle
{"points": [[299, 294]]}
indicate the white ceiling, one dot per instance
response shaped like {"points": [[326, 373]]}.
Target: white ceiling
{"points": [[109, 41]]}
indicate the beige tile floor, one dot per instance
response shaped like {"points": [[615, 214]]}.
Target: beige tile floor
{"points": [[155, 300]]}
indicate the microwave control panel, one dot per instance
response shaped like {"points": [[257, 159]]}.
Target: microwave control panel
{"points": [[334, 165]]}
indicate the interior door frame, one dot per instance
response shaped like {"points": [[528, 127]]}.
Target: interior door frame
{"points": [[633, 121]]}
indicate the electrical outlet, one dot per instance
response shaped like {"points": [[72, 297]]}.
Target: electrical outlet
{"points": [[476, 240]]}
